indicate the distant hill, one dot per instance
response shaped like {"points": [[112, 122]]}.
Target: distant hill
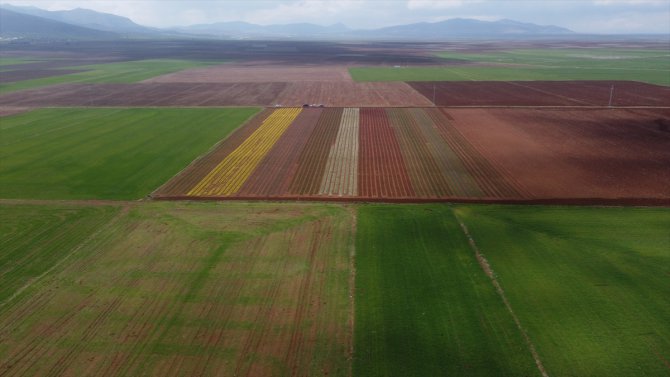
{"points": [[88, 19], [460, 27], [20, 25], [454, 28], [248, 30], [83, 23]]}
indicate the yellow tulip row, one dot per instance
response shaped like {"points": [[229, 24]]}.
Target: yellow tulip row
{"points": [[229, 175]]}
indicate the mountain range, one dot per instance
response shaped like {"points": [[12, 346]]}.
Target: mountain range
{"points": [[32, 22]]}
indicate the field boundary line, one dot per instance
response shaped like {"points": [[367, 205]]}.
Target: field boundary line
{"points": [[486, 267], [124, 210]]}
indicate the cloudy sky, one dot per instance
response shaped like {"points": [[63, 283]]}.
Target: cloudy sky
{"points": [[586, 16]]}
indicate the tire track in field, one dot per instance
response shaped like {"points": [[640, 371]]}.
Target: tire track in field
{"points": [[486, 267]]}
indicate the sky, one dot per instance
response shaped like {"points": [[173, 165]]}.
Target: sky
{"points": [[584, 16]]}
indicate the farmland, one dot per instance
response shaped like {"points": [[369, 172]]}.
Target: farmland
{"points": [[187, 289], [423, 305], [119, 72], [409, 154], [650, 66], [590, 284], [105, 153], [163, 213]]}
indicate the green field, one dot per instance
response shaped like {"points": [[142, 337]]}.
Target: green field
{"points": [[5, 61], [35, 238], [183, 289], [122, 72], [105, 153], [423, 305], [590, 285], [651, 66]]}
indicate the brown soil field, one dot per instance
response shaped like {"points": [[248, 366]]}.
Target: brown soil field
{"points": [[314, 157], [382, 171], [334, 94], [439, 154], [29, 74], [175, 94], [273, 175], [351, 94], [543, 93], [257, 72], [574, 153]]}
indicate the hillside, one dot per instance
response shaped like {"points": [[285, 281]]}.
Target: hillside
{"points": [[19, 25]]}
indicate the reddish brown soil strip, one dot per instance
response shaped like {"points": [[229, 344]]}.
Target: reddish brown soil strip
{"points": [[257, 71], [340, 176], [352, 94], [273, 175], [461, 183], [427, 178], [313, 159], [490, 181], [30, 74], [543, 93], [575, 153], [156, 94], [381, 171], [199, 168]]}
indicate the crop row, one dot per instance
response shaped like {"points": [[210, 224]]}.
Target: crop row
{"points": [[229, 176], [367, 153], [340, 177]]}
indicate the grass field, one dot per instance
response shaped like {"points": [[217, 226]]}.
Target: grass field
{"points": [[34, 238], [651, 66], [105, 153], [188, 289], [591, 285], [122, 72], [423, 305], [4, 61]]}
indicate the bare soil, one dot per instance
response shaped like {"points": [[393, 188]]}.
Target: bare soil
{"points": [[543, 93], [257, 71], [574, 153], [351, 94]]}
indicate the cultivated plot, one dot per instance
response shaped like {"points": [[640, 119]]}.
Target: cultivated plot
{"points": [[570, 153], [35, 238], [257, 71], [105, 153], [543, 93], [190, 289], [344, 154], [424, 307], [590, 285], [644, 65], [26, 77]]}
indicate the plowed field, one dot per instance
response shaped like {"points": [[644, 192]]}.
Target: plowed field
{"points": [[543, 93], [427, 154], [257, 72], [176, 289]]}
